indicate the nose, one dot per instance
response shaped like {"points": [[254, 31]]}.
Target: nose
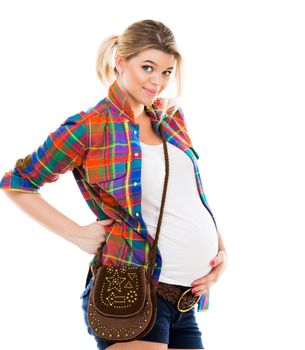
{"points": [[156, 79]]}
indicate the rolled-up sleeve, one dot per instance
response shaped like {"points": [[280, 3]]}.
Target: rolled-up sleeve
{"points": [[62, 151]]}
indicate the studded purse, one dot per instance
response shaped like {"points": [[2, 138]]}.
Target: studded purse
{"points": [[122, 300]]}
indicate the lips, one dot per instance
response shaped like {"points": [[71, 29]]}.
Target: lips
{"points": [[151, 92]]}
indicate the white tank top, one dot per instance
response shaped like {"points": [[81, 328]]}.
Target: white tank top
{"points": [[188, 239]]}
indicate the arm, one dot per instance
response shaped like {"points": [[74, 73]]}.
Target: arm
{"points": [[87, 238], [45, 214], [220, 243], [62, 151]]}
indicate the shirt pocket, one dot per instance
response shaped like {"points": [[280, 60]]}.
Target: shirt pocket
{"points": [[106, 164]]}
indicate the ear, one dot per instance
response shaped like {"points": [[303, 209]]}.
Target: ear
{"points": [[118, 63]]}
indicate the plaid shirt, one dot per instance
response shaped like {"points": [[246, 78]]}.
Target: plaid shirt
{"points": [[102, 148]]}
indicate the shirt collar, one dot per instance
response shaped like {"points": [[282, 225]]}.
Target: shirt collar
{"points": [[118, 100]]}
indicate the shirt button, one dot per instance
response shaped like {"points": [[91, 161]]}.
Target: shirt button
{"points": [[135, 183], [156, 264], [135, 131], [136, 154], [137, 214]]}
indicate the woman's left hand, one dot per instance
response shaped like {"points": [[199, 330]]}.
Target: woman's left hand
{"points": [[201, 285]]}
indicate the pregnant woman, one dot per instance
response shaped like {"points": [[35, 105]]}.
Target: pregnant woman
{"points": [[115, 152]]}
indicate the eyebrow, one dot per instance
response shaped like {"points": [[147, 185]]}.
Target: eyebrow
{"points": [[156, 64]]}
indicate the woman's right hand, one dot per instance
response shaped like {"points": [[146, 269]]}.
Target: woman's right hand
{"points": [[90, 237]]}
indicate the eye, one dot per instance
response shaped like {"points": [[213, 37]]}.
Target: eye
{"points": [[146, 67], [168, 71]]}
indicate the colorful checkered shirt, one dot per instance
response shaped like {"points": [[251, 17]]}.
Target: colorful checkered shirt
{"points": [[102, 148]]}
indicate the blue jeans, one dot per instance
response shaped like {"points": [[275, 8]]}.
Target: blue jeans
{"points": [[175, 328]]}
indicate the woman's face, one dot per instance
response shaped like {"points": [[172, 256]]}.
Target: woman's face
{"points": [[144, 77]]}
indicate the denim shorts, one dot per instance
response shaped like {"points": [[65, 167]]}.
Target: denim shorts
{"points": [[177, 329]]}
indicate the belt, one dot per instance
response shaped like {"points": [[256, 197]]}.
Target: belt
{"points": [[181, 296]]}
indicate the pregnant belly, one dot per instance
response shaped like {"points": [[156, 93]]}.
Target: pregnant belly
{"points": [[186, 257]]}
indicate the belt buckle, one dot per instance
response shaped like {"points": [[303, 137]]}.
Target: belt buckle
{"points": [[182, 295]]}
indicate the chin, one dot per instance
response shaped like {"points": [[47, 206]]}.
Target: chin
{"points": [[146, 101]]}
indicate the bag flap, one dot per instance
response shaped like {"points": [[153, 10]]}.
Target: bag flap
{"points": [[119, 290]]}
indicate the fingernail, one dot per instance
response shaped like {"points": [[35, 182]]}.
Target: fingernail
{"points": [[212, 263]]}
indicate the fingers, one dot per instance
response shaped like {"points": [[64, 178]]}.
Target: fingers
{"points": [[202, 285], [105, 222], [98, 247], [207, 280], [200, 290], [220, 258]]}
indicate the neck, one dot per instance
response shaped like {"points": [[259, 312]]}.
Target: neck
{"points": [[141, 116]]}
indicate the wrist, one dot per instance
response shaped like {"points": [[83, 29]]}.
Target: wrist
{"points": [[73, 231]]}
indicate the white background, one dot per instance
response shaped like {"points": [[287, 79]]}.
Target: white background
{"points": [[243, 102]]}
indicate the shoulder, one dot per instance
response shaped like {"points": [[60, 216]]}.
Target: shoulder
{"points": [[174, 112], [171, 112], [95, 114], [174, 117]]}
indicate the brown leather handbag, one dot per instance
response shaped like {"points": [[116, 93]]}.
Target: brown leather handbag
{"points": [[122, 300]]}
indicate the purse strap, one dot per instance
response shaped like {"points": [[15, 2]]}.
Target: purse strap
{"points": [[153, 251]]}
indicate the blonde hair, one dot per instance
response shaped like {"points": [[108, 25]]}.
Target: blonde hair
{"points": [[139, 36]]}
